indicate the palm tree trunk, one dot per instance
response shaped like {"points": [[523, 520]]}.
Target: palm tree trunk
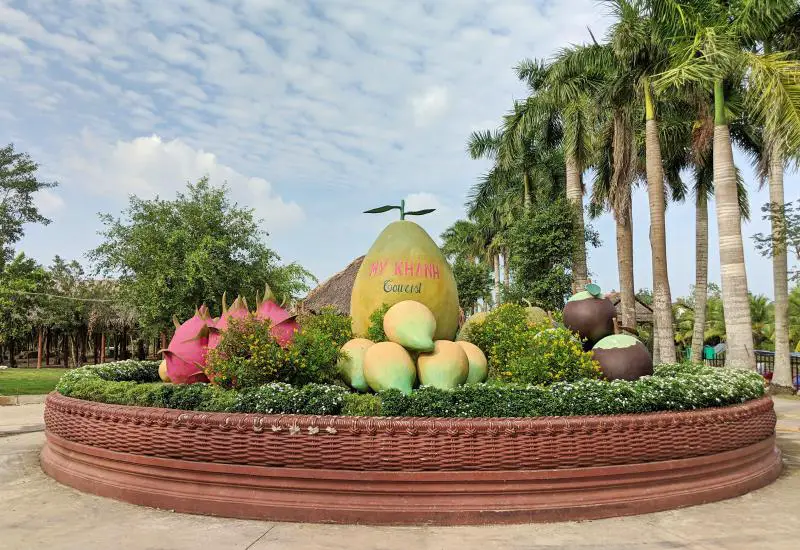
{"points": [[700, 279], [625, 265], [663, 337], [782, 376], [735, 299], [506, 270], [580, 275], [65, 345], [526, 190], [103, 348], [39, 347], [496, 259]]}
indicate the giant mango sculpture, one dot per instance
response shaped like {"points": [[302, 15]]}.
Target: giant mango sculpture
{"points": [[405, 264]]}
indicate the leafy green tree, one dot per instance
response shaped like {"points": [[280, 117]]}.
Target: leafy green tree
{"points": [[172, 255], [542, 244], [788, 231], [645, 295], [18, 183], [21, 280], [474, 282]]}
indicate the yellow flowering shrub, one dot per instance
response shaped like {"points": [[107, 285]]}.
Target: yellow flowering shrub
{"points": [[248, 355], [530, 353], [550, 355]]}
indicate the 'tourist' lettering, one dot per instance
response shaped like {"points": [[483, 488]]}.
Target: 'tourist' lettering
{"points": [[408, 289]]}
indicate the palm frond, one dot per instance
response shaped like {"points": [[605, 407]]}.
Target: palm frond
{"points": [[774, 95]]}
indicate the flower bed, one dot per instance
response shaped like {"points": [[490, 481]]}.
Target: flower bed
{"points": [[402, 470], [671, 388]]}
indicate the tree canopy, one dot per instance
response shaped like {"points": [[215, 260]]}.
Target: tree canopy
{"points": [[18, 183], [172, 255]]}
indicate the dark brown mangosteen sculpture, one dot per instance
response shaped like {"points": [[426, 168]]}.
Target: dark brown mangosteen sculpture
{"points": [[590, 315], [623, 357]]}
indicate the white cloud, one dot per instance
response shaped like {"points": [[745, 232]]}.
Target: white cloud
{"points": [[150, 166], [429, 105], [12, 43], [49, 203]]}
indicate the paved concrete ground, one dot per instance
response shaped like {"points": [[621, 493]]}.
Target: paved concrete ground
{"points": [[16, 419], [36, 512]]}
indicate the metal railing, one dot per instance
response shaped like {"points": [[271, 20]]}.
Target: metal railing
{"points": [[765, 364]]}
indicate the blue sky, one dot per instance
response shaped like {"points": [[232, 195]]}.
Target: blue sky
{"points": [[311, 111]]}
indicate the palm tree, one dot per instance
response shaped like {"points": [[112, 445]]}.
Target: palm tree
{"points": [[700, 156], [636, 52], [785, 38], [711, 45], [463, 240], [571, 101]]}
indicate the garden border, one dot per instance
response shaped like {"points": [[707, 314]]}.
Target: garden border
{"points": [[383, 470]]}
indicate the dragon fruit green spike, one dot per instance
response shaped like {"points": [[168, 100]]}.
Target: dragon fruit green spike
{"points": [[284, 324], [186, 353]]}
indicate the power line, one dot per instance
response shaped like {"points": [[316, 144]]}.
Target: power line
{"points": [[10, 291]]}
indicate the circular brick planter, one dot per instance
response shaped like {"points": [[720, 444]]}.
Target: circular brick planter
{"points": [[376, 470]]}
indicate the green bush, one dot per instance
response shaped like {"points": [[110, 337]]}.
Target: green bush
{"points": [[87, 383], [671, 388], [311, 359], [522, 352], [361, 404], [338, 328], [548, 356], [499, 331], [375, 330], [248, 356], [279, 398]]}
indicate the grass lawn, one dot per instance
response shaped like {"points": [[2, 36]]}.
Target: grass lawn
{"points": [[29, 381]]}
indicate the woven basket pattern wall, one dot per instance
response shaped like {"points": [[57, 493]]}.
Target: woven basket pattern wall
{"points": [[411, 444]]}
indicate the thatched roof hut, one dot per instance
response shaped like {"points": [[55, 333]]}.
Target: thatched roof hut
{"points": [[334, 292], [644, 313]]}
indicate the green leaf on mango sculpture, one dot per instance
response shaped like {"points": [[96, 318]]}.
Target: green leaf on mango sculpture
{"points": [[401, 208]]}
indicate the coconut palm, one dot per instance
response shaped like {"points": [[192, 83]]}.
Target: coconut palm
{"points": [[700, 160], [566, 104], [463, 239], [712, 45], [786, 38], [634, 53]]}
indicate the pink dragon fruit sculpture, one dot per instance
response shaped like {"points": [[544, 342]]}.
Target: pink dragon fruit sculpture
{"points": [[186, 353], [238, 310], [284, 324]]}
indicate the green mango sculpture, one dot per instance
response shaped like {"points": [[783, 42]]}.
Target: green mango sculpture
{"points": [[405, 264], [446, 367], [410, 324], [389, 366], [351, 364], [478, 364]]}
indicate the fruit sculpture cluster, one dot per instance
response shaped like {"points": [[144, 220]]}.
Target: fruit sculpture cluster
{"points": [[621, 356], [410, 355], [185, 357]]}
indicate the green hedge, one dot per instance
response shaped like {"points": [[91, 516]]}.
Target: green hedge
{"points": [[671, 388]]}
